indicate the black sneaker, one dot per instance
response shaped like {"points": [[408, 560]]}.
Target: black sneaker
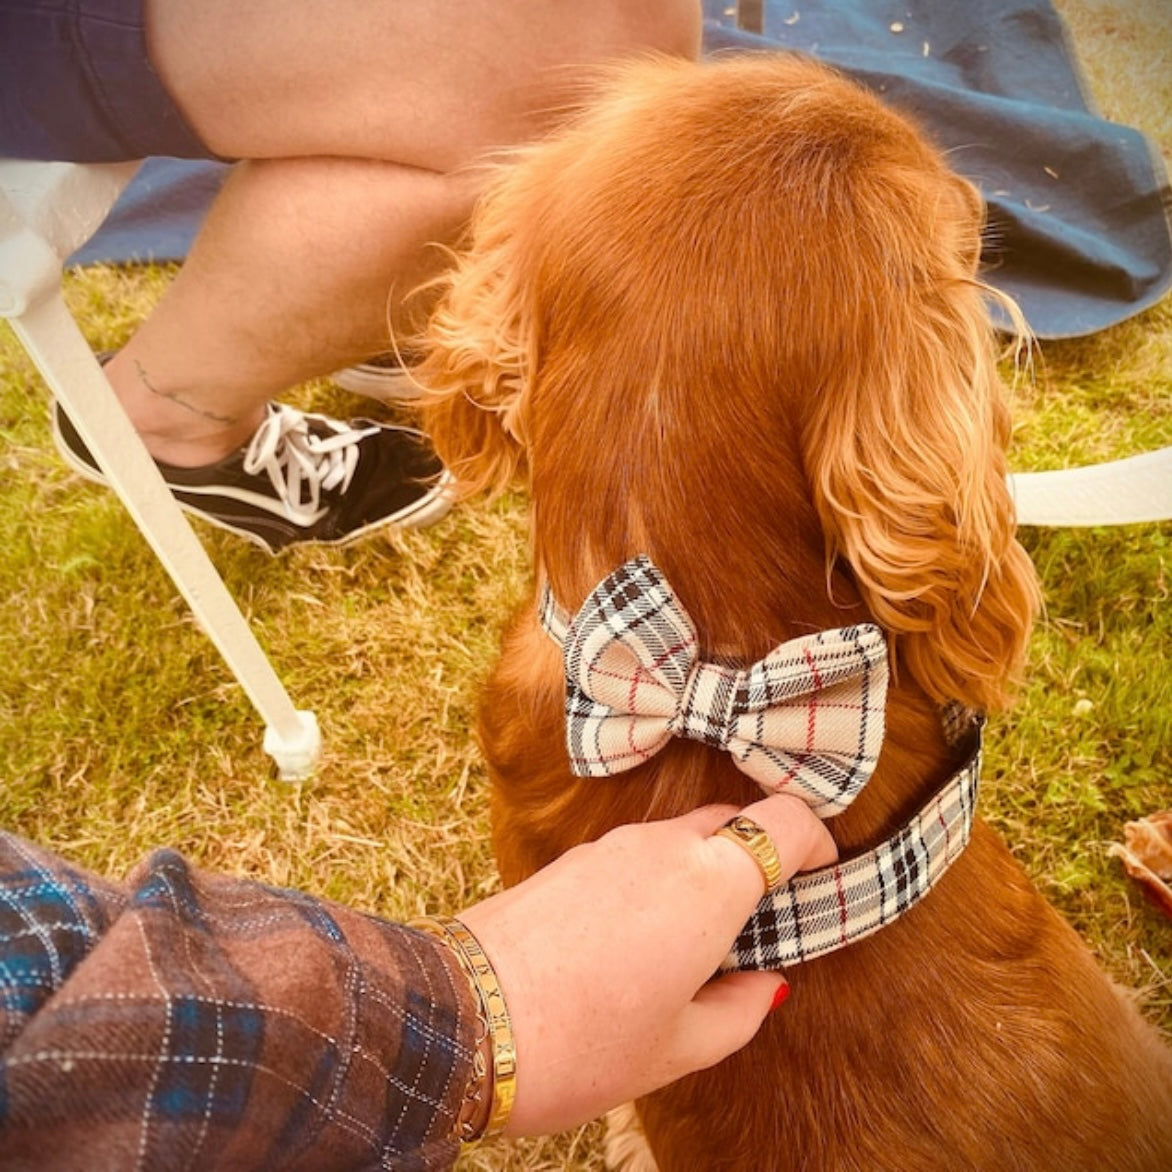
{"points": [[302, 478], [382, 377]]}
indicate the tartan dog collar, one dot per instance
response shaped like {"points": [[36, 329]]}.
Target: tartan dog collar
{"points": [[821, 911], [807, 719]]}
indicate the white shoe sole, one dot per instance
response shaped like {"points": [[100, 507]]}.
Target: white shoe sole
{"points": [[386, 384]]}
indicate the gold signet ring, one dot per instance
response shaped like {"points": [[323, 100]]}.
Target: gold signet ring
{"points": [[748, 834]]}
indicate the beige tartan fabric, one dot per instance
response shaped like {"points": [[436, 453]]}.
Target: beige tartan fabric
{"points": [[821, 911]]}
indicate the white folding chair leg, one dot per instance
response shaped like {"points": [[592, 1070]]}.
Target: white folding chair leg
{"points": [[1118, 492], [55, 343]]}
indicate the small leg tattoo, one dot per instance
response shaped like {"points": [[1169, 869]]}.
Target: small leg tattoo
{"points": [[179, 401]]}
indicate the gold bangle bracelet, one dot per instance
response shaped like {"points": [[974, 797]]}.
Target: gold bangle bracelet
{"points": [[491, 1001]]}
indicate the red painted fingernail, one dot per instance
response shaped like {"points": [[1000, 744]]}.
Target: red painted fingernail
{"points": [[780, 996]]}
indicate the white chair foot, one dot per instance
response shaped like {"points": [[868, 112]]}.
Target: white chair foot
{"points": [[296, 756]]}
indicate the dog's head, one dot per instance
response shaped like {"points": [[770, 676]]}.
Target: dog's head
{"points": [[730, 317]]}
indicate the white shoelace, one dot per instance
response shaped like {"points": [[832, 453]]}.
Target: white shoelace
{"points": [[299, 464]]}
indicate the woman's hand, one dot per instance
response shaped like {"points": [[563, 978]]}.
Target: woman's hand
{"points": [[605, 958]]}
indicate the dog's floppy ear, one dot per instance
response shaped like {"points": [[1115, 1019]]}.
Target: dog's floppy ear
{"points": [[906, 454], [478, 351]]}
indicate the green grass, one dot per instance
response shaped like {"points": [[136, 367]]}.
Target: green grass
{"points": [[120, 728], [1087, 747]]}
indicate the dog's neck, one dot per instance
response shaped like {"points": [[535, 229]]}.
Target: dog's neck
{"points": [[780, 549], [917, 755]]}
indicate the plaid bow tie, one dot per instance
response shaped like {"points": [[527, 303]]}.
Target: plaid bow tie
{"points": [[806, 719]]}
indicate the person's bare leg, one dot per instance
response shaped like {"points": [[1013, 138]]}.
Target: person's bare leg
{"points": [[303, 258], [299, 270]]}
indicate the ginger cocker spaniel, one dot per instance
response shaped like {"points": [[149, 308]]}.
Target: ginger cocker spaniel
{"points": [[728, 321]]}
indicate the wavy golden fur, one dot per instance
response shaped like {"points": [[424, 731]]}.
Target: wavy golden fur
{"points": [[730, 317]]}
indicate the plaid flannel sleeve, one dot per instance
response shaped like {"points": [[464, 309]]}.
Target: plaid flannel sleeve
{"points": [[190, 1020]]}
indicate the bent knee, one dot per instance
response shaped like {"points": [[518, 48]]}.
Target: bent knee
{"points": [[620, 27], [664, 26], [552, 46]]}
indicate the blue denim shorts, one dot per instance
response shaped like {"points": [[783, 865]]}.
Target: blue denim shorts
{"points": [[76, 85]]}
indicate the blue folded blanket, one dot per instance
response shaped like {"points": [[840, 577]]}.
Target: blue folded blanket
{"points": [[1078, 229]]}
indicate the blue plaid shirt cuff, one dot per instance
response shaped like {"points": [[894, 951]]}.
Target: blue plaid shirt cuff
{"points": [[214, 1021]]}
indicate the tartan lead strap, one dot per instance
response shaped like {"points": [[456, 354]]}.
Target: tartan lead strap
{"points": [[807, 719], [821, 911]]}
